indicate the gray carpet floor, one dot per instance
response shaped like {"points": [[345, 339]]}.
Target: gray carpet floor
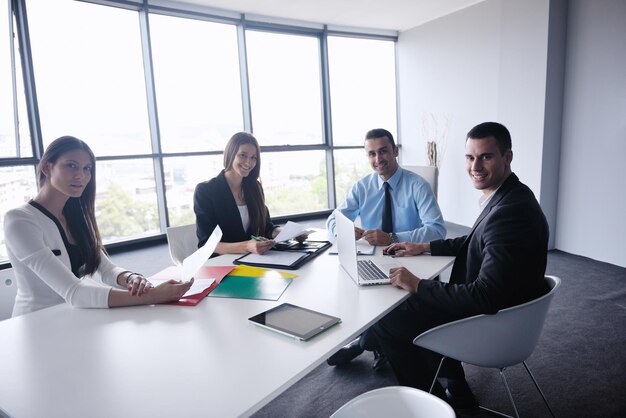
{"points": [[580, 360]]}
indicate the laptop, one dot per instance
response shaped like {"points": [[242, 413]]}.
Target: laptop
{"points": [[364, 272]]}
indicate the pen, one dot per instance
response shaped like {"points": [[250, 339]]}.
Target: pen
{"points": [[255, 238]]}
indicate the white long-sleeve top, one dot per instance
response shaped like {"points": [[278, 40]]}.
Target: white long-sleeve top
{"points": [[43, 278]]}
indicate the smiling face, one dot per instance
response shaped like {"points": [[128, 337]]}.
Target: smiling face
{"points": [[245, 160], [486, 165], [70, 173], [382, 156]]}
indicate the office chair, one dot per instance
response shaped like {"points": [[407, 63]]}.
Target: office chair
{"points": [[496, 341], [182, 242], [428, 173], [8, 290], [397, 402]]}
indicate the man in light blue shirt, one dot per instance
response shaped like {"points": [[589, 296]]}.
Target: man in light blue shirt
{"points": [[415, 216]]}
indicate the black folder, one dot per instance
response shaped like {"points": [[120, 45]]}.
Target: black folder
{"points": [[308, 250]]}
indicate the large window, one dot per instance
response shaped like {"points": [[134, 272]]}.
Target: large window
{"points": [[362, 87], [363, 97], [294, 182], [89, 75], [156, 92], [286, 104], [90, 84], [285, 88], [182, 174], [14, 137], [196, 68]]}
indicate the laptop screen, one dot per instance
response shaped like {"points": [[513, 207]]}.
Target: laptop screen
{"points": [[346, 244]]}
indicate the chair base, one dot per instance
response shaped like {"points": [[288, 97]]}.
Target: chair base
{"points": [[494, 412], [508, 391]]}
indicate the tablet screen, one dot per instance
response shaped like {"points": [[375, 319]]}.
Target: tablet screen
{"points": [[295, 321]]}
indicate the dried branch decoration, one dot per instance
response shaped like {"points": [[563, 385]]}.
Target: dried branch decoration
{"points": [[435, 134]]}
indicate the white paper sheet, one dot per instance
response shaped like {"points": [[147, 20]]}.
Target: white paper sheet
{"points": [[196, 260], [290, 231], [199, 286], [283, 258]]}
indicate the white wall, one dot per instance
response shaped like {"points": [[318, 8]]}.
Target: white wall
{"points": [[553, 72], [592, 191], [486, 62]]}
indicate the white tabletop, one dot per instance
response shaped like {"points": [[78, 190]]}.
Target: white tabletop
{"points": [[164, 361]]}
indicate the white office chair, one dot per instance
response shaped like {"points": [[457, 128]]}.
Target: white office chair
{"points": [[182, 242], [397, 402], [8, 290], [496, 341], [428, 173]]}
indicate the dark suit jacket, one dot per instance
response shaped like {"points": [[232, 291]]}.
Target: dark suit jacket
{"points": [[214, 204], [501, 263]]}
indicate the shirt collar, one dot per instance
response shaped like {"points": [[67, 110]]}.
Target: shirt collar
{"points": [[393, 180], [483, 202]]}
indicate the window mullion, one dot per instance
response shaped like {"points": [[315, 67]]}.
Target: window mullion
{"points": [[19, 8], [155, 135], [327, 119]]}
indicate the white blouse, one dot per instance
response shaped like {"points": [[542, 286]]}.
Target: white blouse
{"points": [[245, 216], [44, 279]]}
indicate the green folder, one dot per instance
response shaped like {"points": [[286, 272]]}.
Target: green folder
{"points": [[245, 287]]}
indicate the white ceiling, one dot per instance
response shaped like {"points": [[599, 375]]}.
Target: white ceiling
{"points": [[397, 15]]}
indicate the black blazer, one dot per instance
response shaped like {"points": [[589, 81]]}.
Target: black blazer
{"points": [[214, 204], [499, 264]]}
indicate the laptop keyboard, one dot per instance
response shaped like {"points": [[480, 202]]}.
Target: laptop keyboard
{"points": [[370, 271]]}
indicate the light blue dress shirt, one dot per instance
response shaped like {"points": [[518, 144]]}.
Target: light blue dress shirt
{"points": [[416, 214]]}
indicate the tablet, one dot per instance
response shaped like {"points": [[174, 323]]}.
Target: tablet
{"points": [[294, 321]]}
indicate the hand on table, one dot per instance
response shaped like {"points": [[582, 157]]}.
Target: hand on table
{"points": [[170, 291], [402, 249]]}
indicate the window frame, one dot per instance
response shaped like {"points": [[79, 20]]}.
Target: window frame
{"points": [[17, 12]]}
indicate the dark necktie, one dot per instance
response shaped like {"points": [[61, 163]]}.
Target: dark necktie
{"points": [[387, 216]]}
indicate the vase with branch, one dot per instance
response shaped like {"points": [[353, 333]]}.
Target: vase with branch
{"points": [[435, 133]]}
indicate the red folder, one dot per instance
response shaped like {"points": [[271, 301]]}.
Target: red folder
{"points": [[206, 272]]}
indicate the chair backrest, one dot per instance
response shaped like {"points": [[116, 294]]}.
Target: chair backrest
{"points": [[182, 242], [428, 173], [397, 402], [8, 290], [500, 340]]}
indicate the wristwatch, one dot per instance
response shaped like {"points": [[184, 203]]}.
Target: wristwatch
{"points": [[393, 238]]}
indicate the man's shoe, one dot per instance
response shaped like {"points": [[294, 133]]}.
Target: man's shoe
{"points": [[380, 359], [462, 399], [345, 354]]}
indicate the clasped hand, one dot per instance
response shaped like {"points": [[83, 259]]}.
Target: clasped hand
{"points": [[137, 285], [372, 236], [259, 245]]}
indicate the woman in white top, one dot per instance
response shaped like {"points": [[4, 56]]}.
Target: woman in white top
{"points": [[55, 248]]}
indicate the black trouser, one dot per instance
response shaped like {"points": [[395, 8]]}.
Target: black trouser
{"points": [[368, 341], [414, 366]]}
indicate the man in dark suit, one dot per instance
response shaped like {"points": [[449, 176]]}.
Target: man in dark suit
{"points": [[500, 263]]}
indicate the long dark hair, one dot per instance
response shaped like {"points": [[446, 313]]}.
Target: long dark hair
{"points": [[80, 211], [251, 186]]}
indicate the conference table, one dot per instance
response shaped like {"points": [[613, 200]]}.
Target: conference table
{"points": [[180, 361]]}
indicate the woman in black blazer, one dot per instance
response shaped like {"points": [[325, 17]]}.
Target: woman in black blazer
{"points": [[235, 201]]}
